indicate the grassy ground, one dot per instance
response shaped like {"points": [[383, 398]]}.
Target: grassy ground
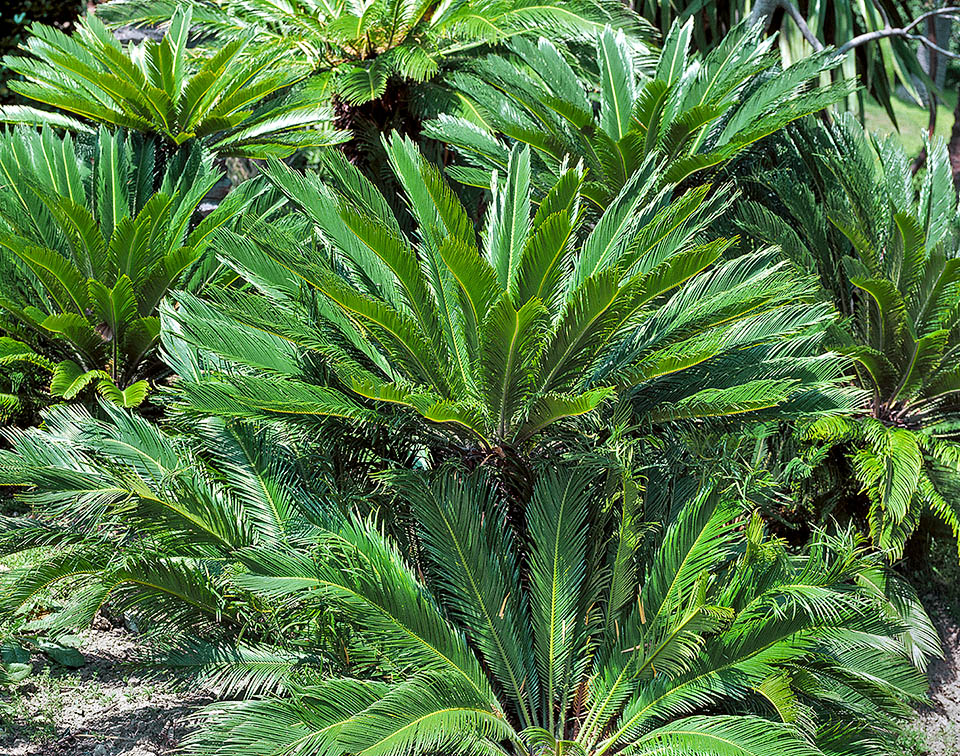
{"points": [[911, 120]]}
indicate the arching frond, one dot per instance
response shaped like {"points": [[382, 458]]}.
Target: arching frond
{"points": [[490, 343]]}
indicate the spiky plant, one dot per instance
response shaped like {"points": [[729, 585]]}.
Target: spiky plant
{"points": [[233, 102], [695, 113], [888, 254], [601, 633], [88, 250], [361, 46], [154, 524], [491, 340]]}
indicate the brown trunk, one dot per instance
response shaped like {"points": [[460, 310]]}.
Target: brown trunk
{"points": [[933, 61], [953, 146]]}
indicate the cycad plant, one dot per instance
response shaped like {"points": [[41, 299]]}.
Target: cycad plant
{"points": [[888, 252], [601, 633], [88, 251], [153, 524], [491, 340], [695, 113], [234, 102], [358, 47]]}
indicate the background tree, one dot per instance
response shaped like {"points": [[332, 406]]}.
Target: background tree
{"points": [[88, 251]]}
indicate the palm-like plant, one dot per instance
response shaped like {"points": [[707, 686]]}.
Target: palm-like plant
{"points": [[602, 633], [88, 250], [362, 45], [155, 524], [693, 114], [542, 320], [612, 645], [890, 260], [164, 89]]}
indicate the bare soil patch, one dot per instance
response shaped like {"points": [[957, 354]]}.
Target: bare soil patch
{"points": [[107, 709], [940, 724], [101, 709]]}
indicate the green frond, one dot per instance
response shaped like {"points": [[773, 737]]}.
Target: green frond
{"points": [[475, 571], [493, 339], [237, 670], [94, 238], [311, 722], [557, 519], [426, 713], [696, 113], [726, 736]]}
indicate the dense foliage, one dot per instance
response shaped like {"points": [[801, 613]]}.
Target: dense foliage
{"points": [[805, 28], [687, 115], [88, 250], [159, 88], [885, 253], [465, 421], [596, 630], [543, 319], [358, 48], [18, 15]]}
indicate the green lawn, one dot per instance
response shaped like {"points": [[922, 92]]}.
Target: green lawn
{"points": [[911, 120]]}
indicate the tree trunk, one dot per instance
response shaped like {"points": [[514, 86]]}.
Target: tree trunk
{"points": [[761, 11], [953, 146], [934, 65]]}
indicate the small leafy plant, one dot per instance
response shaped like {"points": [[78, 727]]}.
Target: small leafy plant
{"points": [[888, 257]]}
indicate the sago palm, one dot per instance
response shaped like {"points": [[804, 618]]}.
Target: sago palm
{"points": [[600, 633], [153, 524], [695, 113], [701, 638], [234, 102], [360, 46], [88, 251], [888, 253], [490, 340]]}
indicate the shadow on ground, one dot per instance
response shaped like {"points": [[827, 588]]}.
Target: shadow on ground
{"points": [[103, 709]]}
